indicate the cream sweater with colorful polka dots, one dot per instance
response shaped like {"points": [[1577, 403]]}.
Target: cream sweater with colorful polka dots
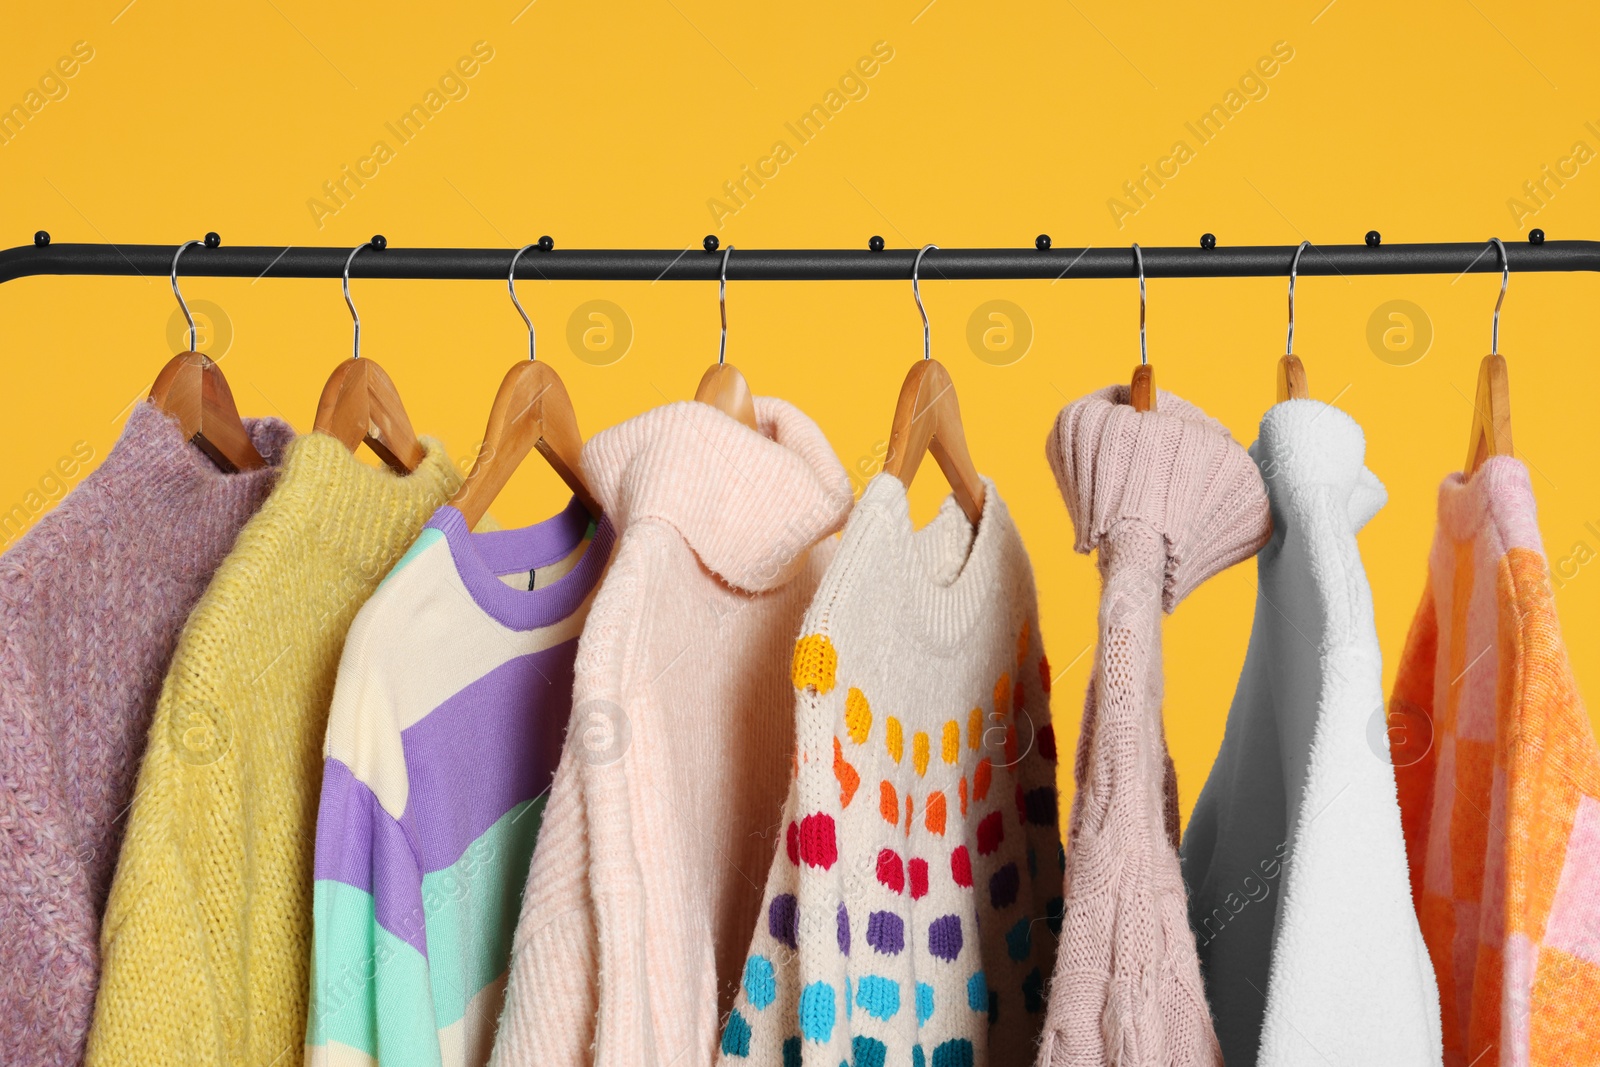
{"points": [[911, 911]]}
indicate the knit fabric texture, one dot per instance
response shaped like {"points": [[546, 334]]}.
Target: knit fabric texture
{"points": [[1299, 896], [1167, 499], [447, 719], [91, 602], [207, 934], [663, 816], [1499, 779], [910, 914]]}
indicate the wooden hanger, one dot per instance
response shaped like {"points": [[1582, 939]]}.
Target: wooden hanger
{"points": [[531, 411], [722, 386], [359, 403], [1292, 383], [192, 390], [1491, 411], [927, 418], [1142, 390]]}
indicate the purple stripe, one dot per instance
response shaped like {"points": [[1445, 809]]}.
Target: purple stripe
{"points": [[488, 748], [481, 558], [361, 845]]}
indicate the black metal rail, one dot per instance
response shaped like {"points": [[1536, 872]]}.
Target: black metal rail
{"points": [[701, 264]]}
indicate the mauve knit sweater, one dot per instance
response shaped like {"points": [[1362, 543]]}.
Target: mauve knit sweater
{"points": [[1167, 499], [91, 603]]}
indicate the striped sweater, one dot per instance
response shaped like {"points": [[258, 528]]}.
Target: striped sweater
{"points": [[447, 721]]}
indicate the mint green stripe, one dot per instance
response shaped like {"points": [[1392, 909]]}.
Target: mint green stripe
{"points": [[426, 539], [369, 989], [471, 909]]}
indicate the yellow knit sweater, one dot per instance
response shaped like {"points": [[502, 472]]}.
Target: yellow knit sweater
{"points": [[206, 939]]}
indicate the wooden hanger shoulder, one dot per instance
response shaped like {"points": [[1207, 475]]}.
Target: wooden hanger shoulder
{"points": [[927, 418], [1142, 393], [1491, 414], [1292, 384], [724, 388], [359, 404], [531, 410], [192, 389]]}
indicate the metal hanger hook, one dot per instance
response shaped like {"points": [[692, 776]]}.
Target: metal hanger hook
{"points": [[356, 344], [916, 293], [722, 305], [179, 294], [1138, 262], [1294, 271], [511, 284], [1505, 279]]}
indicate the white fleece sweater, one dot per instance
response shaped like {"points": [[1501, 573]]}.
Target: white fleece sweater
{"points": [[1294, 858], [911, 912]]}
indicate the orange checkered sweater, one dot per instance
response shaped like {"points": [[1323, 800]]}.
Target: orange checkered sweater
{"points": [[1499, 779]]}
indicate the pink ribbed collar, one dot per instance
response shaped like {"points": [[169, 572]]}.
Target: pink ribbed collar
{"points": [[1499, 495], [749, 504], [1174, 468]]}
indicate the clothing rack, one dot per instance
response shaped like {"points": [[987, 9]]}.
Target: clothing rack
{"points": [[875, 263]]}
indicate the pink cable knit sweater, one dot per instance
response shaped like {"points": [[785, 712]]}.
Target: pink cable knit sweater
{"points": [[91, 603], [666, 807], [1168, 499]]}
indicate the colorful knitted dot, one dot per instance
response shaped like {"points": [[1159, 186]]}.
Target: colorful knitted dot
{"points": [[918, 870], [867, 1051], [977, 992], [878, 997], [1033, 991], [990, 833], [849, 777], [980, 779], [736, 1038], [924, 1002], [908, 813], [919, 753], [760, 984], [917, 1058], [1054, 910], [886, 932], [1041, 805], [1002, 694], [975, 728], [1003, 886], [1044, 673], [950, 745], [844, 929], [944, 937], [1019, 939], [962, 792], [783, 919], [817, 1012], [791, 1052], [961, 867], [1047, 741], [818, 846], [815, 663], [957, 1052], [888, 803], [1022, 644], [1011, 744], [857, 715], [891, 872], [933, 813], [894, 738], [793, 842]]}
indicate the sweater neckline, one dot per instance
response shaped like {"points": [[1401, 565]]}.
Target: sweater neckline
{"points": [[152, 442], [749, 503], [1499, 495], [481, 559], [948, 570]]}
